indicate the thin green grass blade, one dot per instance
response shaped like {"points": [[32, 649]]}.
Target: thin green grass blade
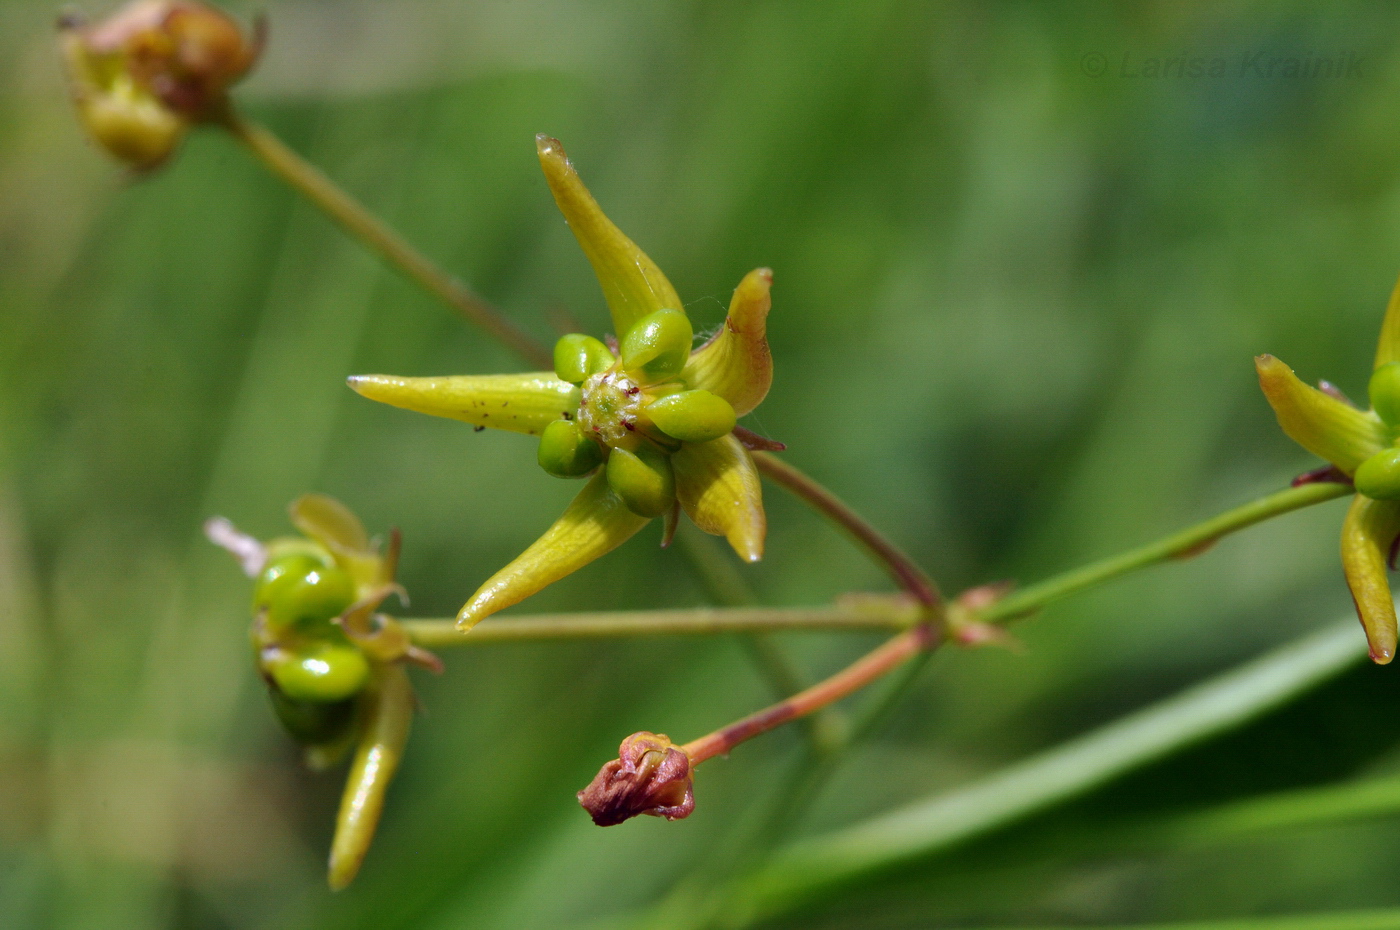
{"points": [[1069, 770]]}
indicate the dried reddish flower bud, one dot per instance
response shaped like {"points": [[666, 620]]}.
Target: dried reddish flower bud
{"points": [[186, 53], [144, 75], [650, 776]]}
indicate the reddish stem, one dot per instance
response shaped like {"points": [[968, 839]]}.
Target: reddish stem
{"points": [[870, 667]]}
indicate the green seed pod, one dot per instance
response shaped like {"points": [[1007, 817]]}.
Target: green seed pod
{"points": [[657, 346], [565, 452], [692, 416], [312, 723], [324, 673], [1385, 393], [643, 479], [300, 589], [1379, 476], [577, 356]]}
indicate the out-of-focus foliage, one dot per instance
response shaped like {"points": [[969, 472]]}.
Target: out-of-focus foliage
{"points": [[1015, 303]]}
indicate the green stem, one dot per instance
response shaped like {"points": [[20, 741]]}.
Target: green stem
{"points": [[873, 615], [1184, 544], [1069, 770], [359, 222]]}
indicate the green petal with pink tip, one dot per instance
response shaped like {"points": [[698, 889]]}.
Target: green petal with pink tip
{"points": [[736, 364]]}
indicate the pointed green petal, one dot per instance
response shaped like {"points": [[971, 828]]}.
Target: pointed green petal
{"points": [[736, 363], [1323, 425], [632, 284], [329, 522], [1388, 346], [525, 403], [1367, 533], [596, 523], [717, 484], [388, 710]]}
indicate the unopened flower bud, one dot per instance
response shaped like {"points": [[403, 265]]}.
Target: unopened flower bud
{"points": [[657, 346], [323, 673], [1379, 476], [565, 452], [643, 479], [1385, 393], [142, 76], [692, 416], [120, 115], [301, 590], [650, 776], [577, 356]]}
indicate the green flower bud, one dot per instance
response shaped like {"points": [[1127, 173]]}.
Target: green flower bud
{"points": [[1379, 476], [643, 479], [312, 723], [657, 347], [1385, 393], [565, 452], [692, 416], [577, 356], [324, 673], [300, 589]]}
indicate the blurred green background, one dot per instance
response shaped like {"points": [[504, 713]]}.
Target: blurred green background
{"points": [[1017, 289]]}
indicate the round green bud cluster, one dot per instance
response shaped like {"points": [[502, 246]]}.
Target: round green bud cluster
{"points": [[313, 670], [633, 411]]}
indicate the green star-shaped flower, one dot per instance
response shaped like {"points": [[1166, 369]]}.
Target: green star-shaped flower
{"points": [[1365, 446], [648, 418]]}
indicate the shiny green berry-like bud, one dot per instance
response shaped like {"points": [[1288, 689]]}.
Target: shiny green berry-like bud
{"points": [[1379, 476], [643, 479], [312, 722], [302, 590], [323, 673], [692, 416], [565, 452], [577, 356], [1385, 393], [657, 346]]}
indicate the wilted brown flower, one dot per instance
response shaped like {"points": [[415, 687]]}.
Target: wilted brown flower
{"points": [[650, 776], [143, 75]]}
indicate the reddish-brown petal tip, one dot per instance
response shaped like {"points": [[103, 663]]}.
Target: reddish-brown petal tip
{"points": [[650, 776]]}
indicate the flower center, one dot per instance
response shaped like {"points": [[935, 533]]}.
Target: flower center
{"points": [[609, 406]]}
